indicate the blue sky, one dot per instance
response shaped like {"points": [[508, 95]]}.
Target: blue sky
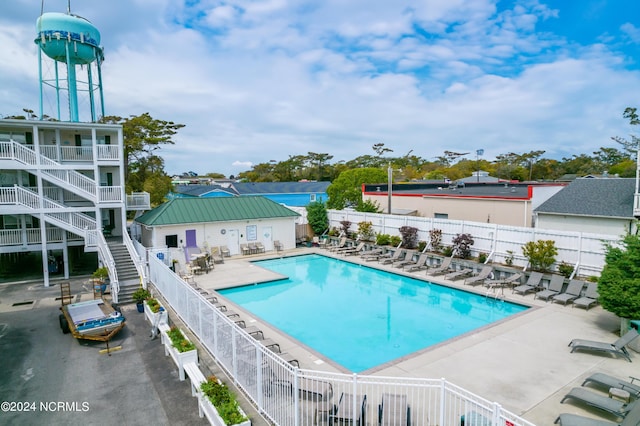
{"points": [[255, 81]]}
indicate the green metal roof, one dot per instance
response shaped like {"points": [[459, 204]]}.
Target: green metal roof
{"points": [[220, 209]]}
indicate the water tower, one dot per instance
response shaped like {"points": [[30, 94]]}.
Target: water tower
{"points": [[71, 47]]}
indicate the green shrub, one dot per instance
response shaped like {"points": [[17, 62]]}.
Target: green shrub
{"points": [[447, 251], [565, 269], [509, 259], [482, 257], [365, 231], [317, 217], [383, 239], [154, 305], [395, 240], [541, 254], [181, 343], [224, 401], [421, 245]]}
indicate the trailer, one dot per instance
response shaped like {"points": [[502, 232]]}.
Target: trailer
{"points": [[90, 320]]}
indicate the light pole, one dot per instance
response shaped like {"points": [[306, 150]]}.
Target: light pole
{"points": [[479, 152], [389, 185]]}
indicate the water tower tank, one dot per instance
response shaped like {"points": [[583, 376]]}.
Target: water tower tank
{"points": [[70, 40], [57, 30]]}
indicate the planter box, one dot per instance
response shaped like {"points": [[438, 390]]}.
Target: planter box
{"points": [[212, 415], [152, 317], [179, 358]]}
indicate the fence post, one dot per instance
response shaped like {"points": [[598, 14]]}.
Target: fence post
{"points": [[443, 405]]}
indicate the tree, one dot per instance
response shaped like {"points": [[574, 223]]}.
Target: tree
{"points": [[541, 254], [346, 189], [619, 282], [630, 147], [143, 135], [317, 217]]}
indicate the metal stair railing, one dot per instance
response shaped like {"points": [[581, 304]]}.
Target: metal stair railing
{"points": [[107, 260], [133, 253], [75, 222], [16, 151]]}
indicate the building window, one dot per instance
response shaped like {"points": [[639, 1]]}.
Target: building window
{"points": [[441, 216], [171, 240], [312, 198]]}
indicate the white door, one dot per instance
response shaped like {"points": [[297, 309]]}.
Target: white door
{"points": [[267, 238], [233, 242]]}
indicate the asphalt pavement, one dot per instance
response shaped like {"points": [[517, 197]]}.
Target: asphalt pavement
{"points": [[47, 377]]}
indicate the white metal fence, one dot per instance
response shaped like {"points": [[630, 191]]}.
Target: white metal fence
{"points": [[295, 396]]}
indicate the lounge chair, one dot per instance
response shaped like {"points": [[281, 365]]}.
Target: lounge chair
{"points": [[589, 298], [532, 284], [510, 280], [339, 245], [352, 250], [394, 410], [632, 418], [442, 269], [555, 287], [372, 255], [392, 258], [601, 402], [421, 263], [216, 256], [616, 348], [606, 381], [480, 276], [408, 259], [571, 293], [461, 273]]}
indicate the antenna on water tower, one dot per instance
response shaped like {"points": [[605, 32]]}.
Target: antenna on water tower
{"points": [[71, 41]]}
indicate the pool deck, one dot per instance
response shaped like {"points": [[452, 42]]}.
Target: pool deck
{"points": [[523, 363]]}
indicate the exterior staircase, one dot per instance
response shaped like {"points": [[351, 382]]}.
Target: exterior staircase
{"points": [[127, 273]]}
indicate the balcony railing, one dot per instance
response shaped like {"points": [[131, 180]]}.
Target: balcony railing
{"points": [[110, 194], [19, 237], [138, 201], [108, 152]]}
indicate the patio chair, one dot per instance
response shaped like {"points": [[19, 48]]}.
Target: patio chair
{"points": [[480, 276], [216, 256], [460, 273], [244, 249], [352, 251], [589, 298], [532, 284], [615, 348], [224, 251], [421, 263], [601, 402], [346, 248], [277, 245], [442, 269], [632, 418], [260, 247], [394, 410], [392, 258], [510, 280], [606, 381], [555, 287], [339, 245], [408, 259], [572, 292]]}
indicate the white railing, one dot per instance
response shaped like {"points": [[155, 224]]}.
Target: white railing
{"points": [[138, 201], [140, 262], [76, 153], [72, 221], [288, 396], [50, 151], [10, 237], [108, 152], [50, 168], [107, 260], [110, 194], [577, 248]]}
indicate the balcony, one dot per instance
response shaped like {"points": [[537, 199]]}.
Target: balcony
{"points": [[138, 201], [23, 237]]}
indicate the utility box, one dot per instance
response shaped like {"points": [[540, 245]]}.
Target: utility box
{"points": [[635, 343]]}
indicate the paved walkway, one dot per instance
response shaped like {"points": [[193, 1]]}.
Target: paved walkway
{"points": [[523, 363]]}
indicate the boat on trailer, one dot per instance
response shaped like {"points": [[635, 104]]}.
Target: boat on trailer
{"points": [[91, 320]]}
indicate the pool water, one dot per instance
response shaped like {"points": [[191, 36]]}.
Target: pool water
{"points": [[360, 317]]}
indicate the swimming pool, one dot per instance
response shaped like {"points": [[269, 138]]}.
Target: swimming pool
{"points": [[361, 317]]}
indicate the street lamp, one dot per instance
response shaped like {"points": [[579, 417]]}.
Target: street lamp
{"points": [[390, 171], [479, 152]]}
